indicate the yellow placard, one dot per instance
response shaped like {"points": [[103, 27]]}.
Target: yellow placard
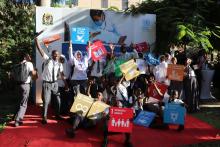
{"points": [[125, 67], [175, 72], [132, 73], [97, 108], [81, 104]]}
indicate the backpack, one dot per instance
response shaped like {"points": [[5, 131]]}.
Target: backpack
{"points": [[20, 72]]}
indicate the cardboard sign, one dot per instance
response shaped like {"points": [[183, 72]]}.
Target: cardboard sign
{"points": [[153, 92], [120, 120], [175, 72], [97, 108], [141, 47], [144, 118], [51, 39], [174, 114], [80, 35], [125, 67], [82, 104], [118, 72], [132, 73], [97, 50]]}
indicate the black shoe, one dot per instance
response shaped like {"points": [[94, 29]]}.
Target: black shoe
{"points": [[105, 143], [16, 123], [180, 128], [70, 133], [128, 144], [58, 117], [44, 121]]}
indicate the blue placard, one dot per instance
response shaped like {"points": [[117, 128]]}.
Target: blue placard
{"points": [[144, 118], [174, 114], [80, 35]]}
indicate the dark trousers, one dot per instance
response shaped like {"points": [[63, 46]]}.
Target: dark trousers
{"points": [[24, 90], [48, 90]]}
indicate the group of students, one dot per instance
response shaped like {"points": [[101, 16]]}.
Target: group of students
{"points": [[64, 79]]}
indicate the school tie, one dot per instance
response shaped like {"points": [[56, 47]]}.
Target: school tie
{"points": [[98, 66], [53, 74]]}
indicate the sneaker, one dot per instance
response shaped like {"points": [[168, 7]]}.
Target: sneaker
{"points": [[70, 133], [44, 121], [16, 123]]}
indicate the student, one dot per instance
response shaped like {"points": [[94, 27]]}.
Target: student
{"points": [[190, 86], [81, 64], [122, 100], [24, 87], [127, 55], [52, 68]]}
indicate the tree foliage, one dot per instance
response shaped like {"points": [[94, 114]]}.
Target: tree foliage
{"points": [[16, 32], [191, 22]]}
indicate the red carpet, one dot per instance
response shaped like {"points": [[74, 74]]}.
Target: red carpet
{"points": [[33, 134]]}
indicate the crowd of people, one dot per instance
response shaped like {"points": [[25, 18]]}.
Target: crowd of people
{"points": [[63, 79]]}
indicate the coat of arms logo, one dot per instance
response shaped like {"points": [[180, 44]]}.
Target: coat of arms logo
{"points": [[47, 19]]}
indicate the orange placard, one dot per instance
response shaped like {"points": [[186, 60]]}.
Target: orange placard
{"points": [[175, 72], [51, 39]]}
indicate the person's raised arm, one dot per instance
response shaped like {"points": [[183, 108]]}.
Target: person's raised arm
{"points": [[71, 57], [39, 48], [112, 47], [89, 51]]}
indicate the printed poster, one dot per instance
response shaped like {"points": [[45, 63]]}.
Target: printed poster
{"points": [[120, 120], [153, 92], [81, 104], [97, 50], [97, 108], [174, 114], [80, 35], [144, 118], [175, 72]]}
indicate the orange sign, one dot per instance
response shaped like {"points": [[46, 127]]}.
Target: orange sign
{"points": [[175, 72], [51, 39]]}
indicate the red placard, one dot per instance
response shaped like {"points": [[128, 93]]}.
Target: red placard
{"points": [[120, 120], [51, 39], [142, 47], [98, 50], [153, 92], [175, 72]]}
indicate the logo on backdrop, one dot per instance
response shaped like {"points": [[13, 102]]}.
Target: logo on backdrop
{"points": [[47, 19]]}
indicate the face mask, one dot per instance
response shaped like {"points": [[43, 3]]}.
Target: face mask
{"points": [[98, 23]]}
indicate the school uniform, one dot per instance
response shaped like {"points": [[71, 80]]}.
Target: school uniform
{"points": [[50, 85], [24, 90]]}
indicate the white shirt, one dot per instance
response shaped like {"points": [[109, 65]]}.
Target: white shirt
{"points": [[160, 72], [47, 74], [94, 71], [30, 68], [122, 90], [80, 66]]}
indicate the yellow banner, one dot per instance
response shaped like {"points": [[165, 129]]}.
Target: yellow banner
{"points": [[81, 104], [97, 108], [125, 67], [132, 73]]}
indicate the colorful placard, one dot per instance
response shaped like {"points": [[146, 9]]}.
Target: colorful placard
{"points": [[80, 35], [132, 73], [174, 114], [175, 72], [97, 108], [153, 92], [144, 118], [82, 104], [51, 39], [120, 120], [97, 50], [141, 47], [125, 67]]}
